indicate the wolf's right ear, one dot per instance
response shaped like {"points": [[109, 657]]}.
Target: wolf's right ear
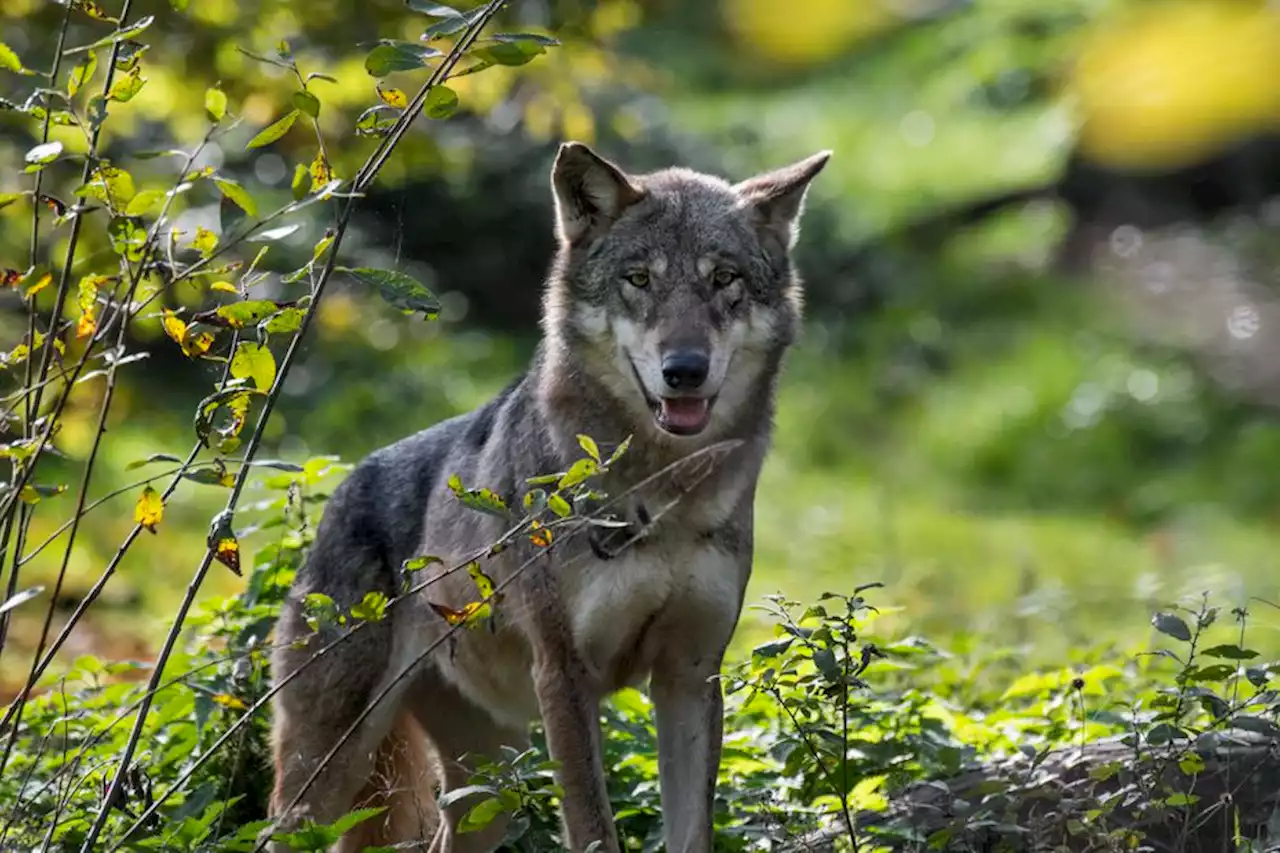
{"points": [[590, 192]]}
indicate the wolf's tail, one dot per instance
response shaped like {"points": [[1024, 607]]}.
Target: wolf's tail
{"points": [[403, 781]]}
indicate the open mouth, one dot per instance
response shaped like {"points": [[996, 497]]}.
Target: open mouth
{"points": [[677, 415], [683, 415]]}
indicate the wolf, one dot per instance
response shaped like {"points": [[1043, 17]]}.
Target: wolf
{"points": [[667, 311]]}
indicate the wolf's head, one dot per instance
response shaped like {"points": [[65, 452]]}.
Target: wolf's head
{"points": [[676, 287]]}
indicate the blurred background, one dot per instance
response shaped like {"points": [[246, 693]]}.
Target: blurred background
{"points": [[1036, 394]]}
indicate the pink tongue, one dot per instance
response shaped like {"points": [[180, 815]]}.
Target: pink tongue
{"points": [[684, 412]]}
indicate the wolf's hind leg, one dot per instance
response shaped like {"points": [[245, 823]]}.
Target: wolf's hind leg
{"points": [[315, 709], [463, 735]]}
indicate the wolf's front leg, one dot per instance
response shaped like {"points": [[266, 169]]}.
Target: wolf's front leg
{"points": [[689, 710], [571, 717]]}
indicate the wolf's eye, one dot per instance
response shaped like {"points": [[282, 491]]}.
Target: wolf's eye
{"points": [[724, 277], [639, 278]]}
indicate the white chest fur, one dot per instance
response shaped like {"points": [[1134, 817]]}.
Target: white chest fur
{"points": [[627, 610]]}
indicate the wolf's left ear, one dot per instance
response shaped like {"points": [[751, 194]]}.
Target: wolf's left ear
{"points": [[591, 193], [776, 198]]}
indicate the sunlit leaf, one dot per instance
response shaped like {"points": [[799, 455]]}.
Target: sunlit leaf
{"points": [[9, 61], [273, 234], [371, 608], [126, 87], [237, 194], [588, 444], [559, 505], [321, 171], [20, 598], [87, 298], [110, 185], [306, 102], [237, 315], [254, 361], [149, 509], [471, 614], [274, 131], [82, 73], [300, 182], [42, 155], [393, 97], [93, 10], [33, 493], [145, 203], [7, 199], [226, 700], [39, 285], [215, 104], [205, 241], [402, 291], [286, 321]]}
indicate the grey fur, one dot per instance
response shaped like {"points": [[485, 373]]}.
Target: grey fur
{"points": [[648, 265]]}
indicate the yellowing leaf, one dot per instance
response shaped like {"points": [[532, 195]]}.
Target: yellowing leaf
{"points": [[539, 535], [40, 284], [174, 327], [393, 97], [205, 241], [470, 614], [226, 700], [9, 60], [227, 552], [144, 203], [321, 172], [88, 301], [254, 361], [149, 509], [224, 287]]}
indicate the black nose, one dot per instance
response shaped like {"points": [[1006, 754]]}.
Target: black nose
{"points": [[685, 369]]}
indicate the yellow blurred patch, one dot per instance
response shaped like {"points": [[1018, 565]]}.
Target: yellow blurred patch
{"points": [[1174, 82], [804, 32]]}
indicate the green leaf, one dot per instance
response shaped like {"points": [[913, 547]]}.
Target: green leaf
{"points": [[419, 563], [441, 102], [559, 505], [145, 203], [306, 102], [588, 444], [518, 38], [155, 457], [82, 73], [1230, 652], [481, 499], [237, 194], [454, 795], [450, 24], [42, 155], [481, 815], [392, 55], [125, 88], [215, 104], [509, 53], [402, 291], [273, 234], [7, 199], [1172, 625], [286, 321], [241, 314], [435, 10], [9, 61], [371, 608], [274, 131], [21, 598], [578, 472], [301, 181], [254, 361]]}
